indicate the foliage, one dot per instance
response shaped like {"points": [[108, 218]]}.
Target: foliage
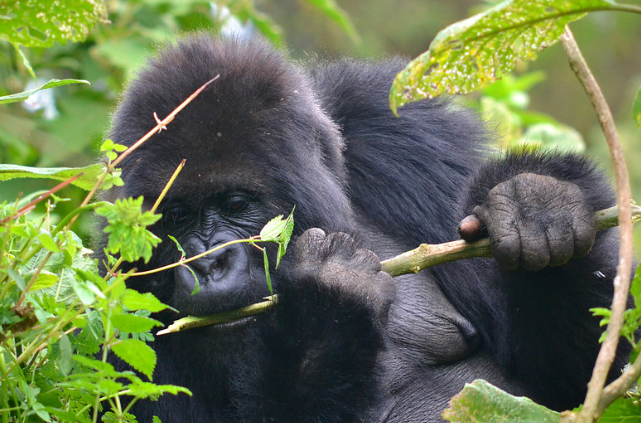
{"points": [[57, 313], [59, 318], [473, 53], [36, 24]]}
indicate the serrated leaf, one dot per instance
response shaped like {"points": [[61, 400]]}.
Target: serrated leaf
{"points": [[134, 300], [178, 246], [132, 323], [272, 230], [14, 98], [196, 282], [38, 24], [86, 181], [473, 53], [137, 354], [480, 401], [636, 109], [128, 229], [146, 390]]}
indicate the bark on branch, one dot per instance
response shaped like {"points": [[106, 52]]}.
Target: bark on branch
{"points": [[427, 255]]}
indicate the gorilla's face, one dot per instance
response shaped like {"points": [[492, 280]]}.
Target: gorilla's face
{"points": [[229, 278], [255, 147]]}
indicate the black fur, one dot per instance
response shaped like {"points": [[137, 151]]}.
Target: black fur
{"points": [[346, 342]]}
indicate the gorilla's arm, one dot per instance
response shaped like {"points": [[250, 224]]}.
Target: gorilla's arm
{"points": [[538, 210], [406, 175], [327, 331]]}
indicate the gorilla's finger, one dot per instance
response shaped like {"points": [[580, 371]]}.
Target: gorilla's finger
{"points": [[560, 240], [308, 242], [341, 245], [368, 259], [535, 252], [584, 236], [471, 228], [504, 236]]}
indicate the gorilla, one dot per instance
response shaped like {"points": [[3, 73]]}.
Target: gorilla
{"points": [[346, 342]]}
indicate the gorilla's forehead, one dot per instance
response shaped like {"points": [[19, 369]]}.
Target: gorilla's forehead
{"points": [[198, 179]]}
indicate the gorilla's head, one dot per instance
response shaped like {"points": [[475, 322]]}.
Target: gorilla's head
{"points": [[256, 144]]}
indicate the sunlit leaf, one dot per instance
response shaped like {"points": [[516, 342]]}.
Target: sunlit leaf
{"points": [[137, 354], [12, 98], [480, 401], [86, 181], [622, 410], [41, 23], [473, 53], [134, 300], [272, 230], [132, 323]]}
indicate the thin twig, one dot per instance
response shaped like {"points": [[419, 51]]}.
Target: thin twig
{"points": [[593, 407], [191, 322]]}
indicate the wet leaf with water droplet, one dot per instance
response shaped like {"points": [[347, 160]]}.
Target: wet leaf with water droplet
{"points": [[473, 53]]}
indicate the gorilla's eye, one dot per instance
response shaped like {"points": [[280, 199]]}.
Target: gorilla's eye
{"points": [[235, 203]]}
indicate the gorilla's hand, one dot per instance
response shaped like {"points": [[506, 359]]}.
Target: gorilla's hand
{"points": [[336, 262], [536, 221]]}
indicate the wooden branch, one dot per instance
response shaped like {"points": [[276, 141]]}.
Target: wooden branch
{"points": [[427, 255], [191, 322], [593, 406], [422, 257]]}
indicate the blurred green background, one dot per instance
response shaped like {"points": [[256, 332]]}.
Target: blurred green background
{"points": [[66, 125]]}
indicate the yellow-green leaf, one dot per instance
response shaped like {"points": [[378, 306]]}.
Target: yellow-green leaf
{"points": [[473, 53]]}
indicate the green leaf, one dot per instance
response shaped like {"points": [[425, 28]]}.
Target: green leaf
{"points": [[45, 279], [333, 11], [267, 276], [480, 401], [88, 179], [134, 300], [622, 410], [285, 237], [473, 53], [132, 323], [48, 242], [636, 109], [272, 230], [40, 24], [128, 229], [137, 354], [66, 355], [13, 98]]}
